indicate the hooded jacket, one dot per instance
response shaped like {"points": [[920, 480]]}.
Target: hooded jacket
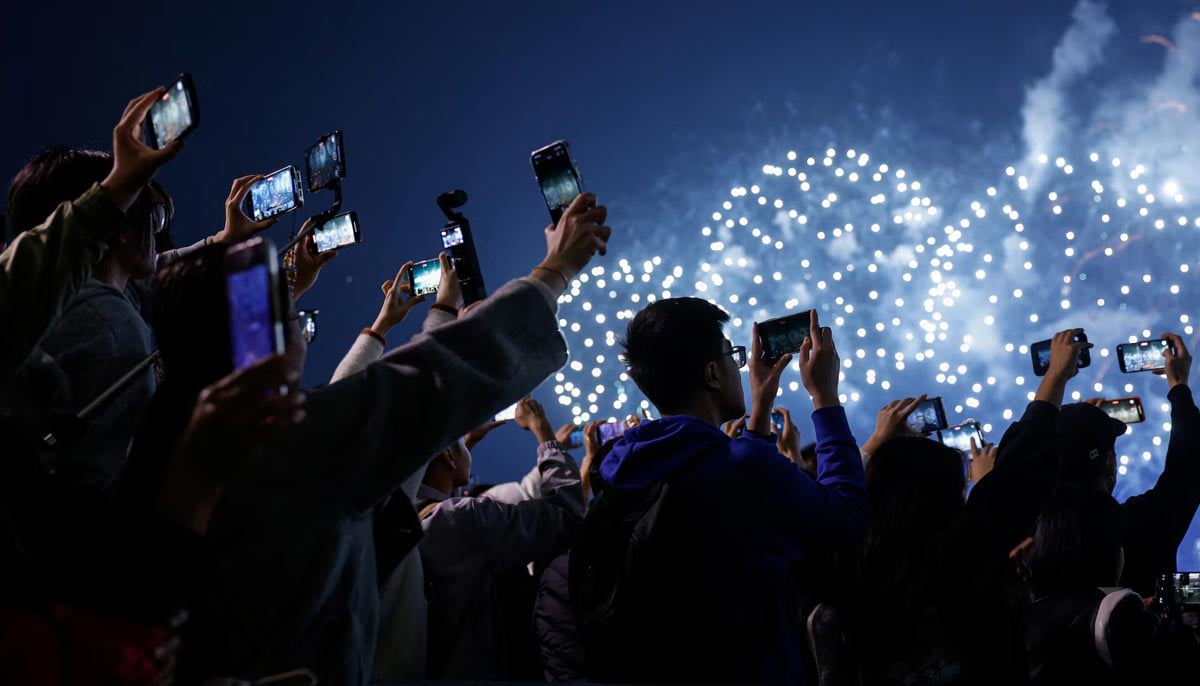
{"points": [[742, 520]]}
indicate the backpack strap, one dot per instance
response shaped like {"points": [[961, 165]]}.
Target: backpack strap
{"points": [[427, 509]]}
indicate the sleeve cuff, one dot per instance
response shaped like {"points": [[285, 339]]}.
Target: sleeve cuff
{"points": [[547, 293], [436, 317], [830, 421]]}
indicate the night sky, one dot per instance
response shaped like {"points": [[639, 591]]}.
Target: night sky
{"points": [[666, 105]]}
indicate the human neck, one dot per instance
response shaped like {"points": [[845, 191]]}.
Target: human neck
{"points": [[111, 273], [442, 483]]}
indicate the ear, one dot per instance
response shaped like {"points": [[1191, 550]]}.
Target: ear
{"points": [[712, 375], [447, 457]]}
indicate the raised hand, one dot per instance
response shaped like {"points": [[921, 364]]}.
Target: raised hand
{"points": [[983, 459], [309, 262], [1179, 361], [571, 243], [134, 162], [449, 291], [819, 364], [239, 227], [892, 421], [398, 301]]}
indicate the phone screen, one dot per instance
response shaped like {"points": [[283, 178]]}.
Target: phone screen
{"points": [[426, 275], [611, 430], [338, 232], [576, 437], [452, 236], [275, 194], [959, 437], [172, 116], [927, 417], [1040, 352], [1143, 356], [308, 324], [325, 162], [777, 422], [507, 413], [784, 334], [1187, 588], [1128, 410], [557, 176], [251, 322]]}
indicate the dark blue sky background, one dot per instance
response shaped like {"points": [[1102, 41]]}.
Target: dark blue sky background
{"points": [[663, 103]]}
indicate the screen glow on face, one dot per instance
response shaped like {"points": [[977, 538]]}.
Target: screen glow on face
{"points": [[252, 328], [335, 233], [273, 195], [171, 116]]}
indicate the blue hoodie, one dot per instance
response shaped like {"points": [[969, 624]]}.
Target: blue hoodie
{"points": [[744, 518]]}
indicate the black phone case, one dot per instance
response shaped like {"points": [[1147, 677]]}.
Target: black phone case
{"points": [[193, 108]]}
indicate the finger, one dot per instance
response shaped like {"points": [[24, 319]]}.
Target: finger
{"points": [[814, 322], [806, 349], [135, 116], [755, 344], [594, 215], [400, 274], [237, 183], [580, 204], [444, 258], [386, 286], [974, 446], [242, 187], [781, 365]]}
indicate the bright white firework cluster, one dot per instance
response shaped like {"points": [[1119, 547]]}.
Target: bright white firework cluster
{"points": [[922, 298]]}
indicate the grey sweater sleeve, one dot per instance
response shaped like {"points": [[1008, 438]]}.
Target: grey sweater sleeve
{"points": [[371, 431], [511, 535]]}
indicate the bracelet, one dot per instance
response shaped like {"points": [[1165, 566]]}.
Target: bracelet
{"points": [[566, 282], [444, 308], [374, 334]]}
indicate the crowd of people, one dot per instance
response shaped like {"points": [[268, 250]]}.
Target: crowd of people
{"points": [[206, 525]]}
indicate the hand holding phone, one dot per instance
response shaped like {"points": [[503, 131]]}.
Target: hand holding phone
{"points": [[308, 324], [275, 194], [1066, 353], [960, 437], [928, 416], [783, 335], [610, 431], [1178, 361], [135, 162]]}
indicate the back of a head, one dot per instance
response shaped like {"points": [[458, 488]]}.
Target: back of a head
{"points": [[1077, 542], [49, 179], [666, 346], [915, 488], [1086, 440]]}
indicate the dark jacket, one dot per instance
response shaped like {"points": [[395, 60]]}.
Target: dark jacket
{"points": [[742, 520], [1154, 523], [554, 625]]}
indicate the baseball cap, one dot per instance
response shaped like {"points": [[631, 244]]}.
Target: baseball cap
{"points": [[1085, 434]]}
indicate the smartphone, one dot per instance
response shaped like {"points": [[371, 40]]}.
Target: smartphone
{"points": [[308, 324], [175, 115], [1040, 352], [777, 422], [783, 335], [1182, 589], [557, 176], [337, 232], [424, 276], [610, 431], [959, 437], [1143, 356], [1128, 410], [252, 283], [276, 193], [325, 162], [507, 414], [928, 417], [576, 437]]}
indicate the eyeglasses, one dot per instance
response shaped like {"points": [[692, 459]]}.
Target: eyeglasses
{"points": [[157, 215], [739, 355]]}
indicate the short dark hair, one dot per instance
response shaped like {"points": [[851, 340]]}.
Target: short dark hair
{"points": [[666, 346], [52, 177], [190, 319]]}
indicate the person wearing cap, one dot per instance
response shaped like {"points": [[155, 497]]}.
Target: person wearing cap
{"points": [[1001, 513], [1154, 523]]}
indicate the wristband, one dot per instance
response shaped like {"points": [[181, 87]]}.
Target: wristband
{"points": [[444, 308], [566, 282], [374, 334]]}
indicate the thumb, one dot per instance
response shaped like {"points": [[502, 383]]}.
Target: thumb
{"points": [[327, 258]]}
